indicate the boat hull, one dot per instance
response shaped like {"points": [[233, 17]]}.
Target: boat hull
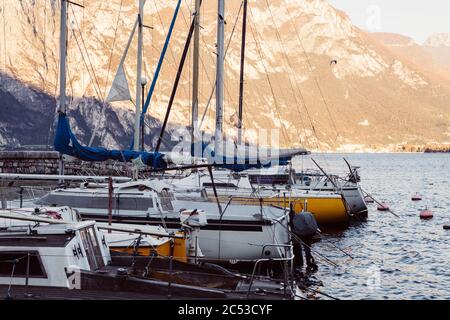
{"points": [[224, 241], [326, 210]]}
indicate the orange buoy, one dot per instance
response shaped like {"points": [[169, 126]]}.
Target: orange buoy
{"points": [[383, 207], [368, 199], [426, 214], [416, 197]]}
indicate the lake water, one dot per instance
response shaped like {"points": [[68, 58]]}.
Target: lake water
{"points": [[393, 258]]}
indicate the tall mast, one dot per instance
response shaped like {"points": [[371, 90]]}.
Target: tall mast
{"points": [[62, 57], [195, 67], [137, 119], [219, 73], [241, 82], [62, 71]]}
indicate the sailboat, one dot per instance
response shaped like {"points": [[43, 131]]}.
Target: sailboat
{"points": [[328, 206], [65, 141], [44, 258], [234, 184], [234, 233], [248, 180]]}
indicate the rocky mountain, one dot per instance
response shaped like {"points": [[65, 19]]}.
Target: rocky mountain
{"points": [[310, 73], [439, 47], [438, 40]]}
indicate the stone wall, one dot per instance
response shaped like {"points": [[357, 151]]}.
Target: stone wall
{"points": [[47, 162]]}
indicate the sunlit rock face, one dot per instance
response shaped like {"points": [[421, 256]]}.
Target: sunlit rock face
{"points": [[310, 73]]}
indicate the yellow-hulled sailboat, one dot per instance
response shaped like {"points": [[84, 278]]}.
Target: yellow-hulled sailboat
{"points": [[328, 207]]}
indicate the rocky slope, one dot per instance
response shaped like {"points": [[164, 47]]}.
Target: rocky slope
{"points": [[324, 83]]}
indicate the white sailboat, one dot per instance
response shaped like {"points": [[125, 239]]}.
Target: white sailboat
{"points": [[233, 232], [47, 258]]}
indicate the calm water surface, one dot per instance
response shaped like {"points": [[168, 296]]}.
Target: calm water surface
{"points": [[393, 258]]}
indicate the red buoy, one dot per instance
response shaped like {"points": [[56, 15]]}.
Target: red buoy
{"points": [[416, 197], [426, 214], [383, 207]]}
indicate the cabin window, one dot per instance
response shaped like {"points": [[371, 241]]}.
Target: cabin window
{"points": [[120, 202], [218, 185], [7, 259], [269, 179]]}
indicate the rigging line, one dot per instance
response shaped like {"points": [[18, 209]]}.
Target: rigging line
{"points": [[225, 54], [44, 43], [311, 69], [201, 59], [4, 36], [297, 85], [113, 47], [290, 66], [79, 62], [87, 52], [85, 63], [174, 62], [204, 67], [316, 140], [174, 67], [259, 50], [55, 114], [103, 111], [364, 96]]}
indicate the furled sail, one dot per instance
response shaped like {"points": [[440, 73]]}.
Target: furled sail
{"points": [[243, 157], [66, 143], [120, 90]]}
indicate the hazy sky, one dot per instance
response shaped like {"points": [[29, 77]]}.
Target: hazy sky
{"points": [[417, 19]]}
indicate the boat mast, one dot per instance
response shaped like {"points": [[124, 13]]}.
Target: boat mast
{"points": [[137, 119], [195, 67], [62, 69], [175, 86], [62, 57], [241, 82], [219, 74]]}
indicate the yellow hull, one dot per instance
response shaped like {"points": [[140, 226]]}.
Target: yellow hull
{"points": [[326, 210], [179, 250]]}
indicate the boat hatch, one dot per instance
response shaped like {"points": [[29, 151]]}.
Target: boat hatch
{"points": [[48, 240], [92, 247], [166, 198]]}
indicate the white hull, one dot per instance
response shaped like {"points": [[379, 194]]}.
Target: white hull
{"points": [[240, 234]]}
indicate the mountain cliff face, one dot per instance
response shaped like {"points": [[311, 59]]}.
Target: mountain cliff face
{"points": [[310, 73]]}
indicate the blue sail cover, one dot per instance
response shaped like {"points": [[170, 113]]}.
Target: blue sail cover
{"points": [[66, 143], [238, 163]]}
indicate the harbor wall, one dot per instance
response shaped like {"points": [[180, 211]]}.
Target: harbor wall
{"points": [[47, 162]]}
